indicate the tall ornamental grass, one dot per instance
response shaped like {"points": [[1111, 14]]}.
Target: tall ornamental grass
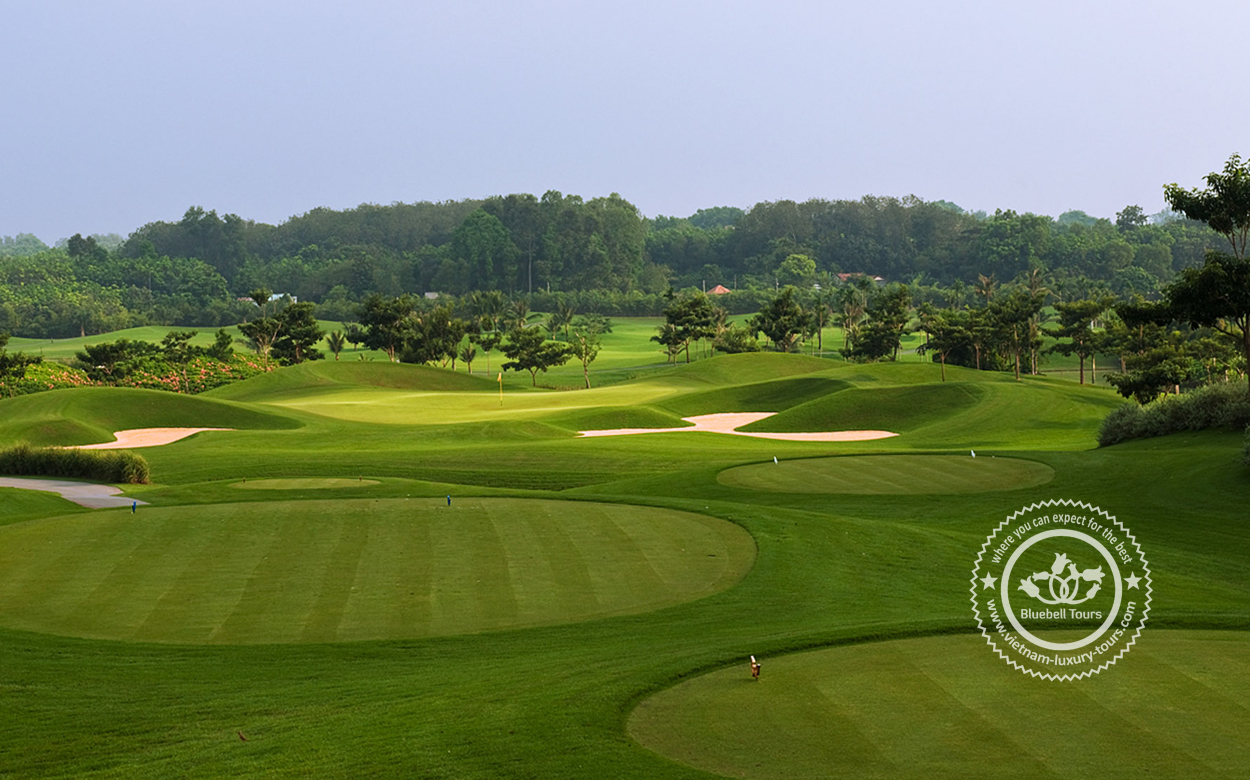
{"points": [[116, 466]]}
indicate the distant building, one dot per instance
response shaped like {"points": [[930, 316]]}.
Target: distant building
{"points": [[719, 289], [844, 278], [431, 296], [272, 298]]}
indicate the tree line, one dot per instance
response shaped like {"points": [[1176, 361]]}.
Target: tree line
{"points": [[601, 253], [1196, 333]]}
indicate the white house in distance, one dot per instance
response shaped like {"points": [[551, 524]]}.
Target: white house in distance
{"points": [[272, 298]]}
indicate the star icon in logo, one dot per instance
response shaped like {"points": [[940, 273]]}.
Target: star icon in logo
{"points": [[1132, 580], [988, 581]]}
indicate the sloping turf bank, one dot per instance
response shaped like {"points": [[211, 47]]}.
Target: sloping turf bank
{"points": [[90, 415]]}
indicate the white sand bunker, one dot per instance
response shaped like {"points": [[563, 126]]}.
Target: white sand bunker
{"points": [[146, 437], [730, 422]]}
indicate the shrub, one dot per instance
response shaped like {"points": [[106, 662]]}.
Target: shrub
{"points": [[44, 376], [736, 339], [1213, 406], [118, 466]]}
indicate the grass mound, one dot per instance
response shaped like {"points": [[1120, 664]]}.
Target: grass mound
{"points": [[897, 409], [325, 571], [321, 374], [773, 396], [946, 704], [89, 415], [611, 417], [890, 474], [100, 465], [745, 368]]}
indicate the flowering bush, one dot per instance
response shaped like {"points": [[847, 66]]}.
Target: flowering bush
{"points": [[202, 373], [44, 376]]}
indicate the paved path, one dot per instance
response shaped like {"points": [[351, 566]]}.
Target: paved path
{"points": [[81, 493], [729, 423]]}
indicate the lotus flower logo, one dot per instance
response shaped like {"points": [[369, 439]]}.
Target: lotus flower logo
{"points": [[1063, 590]]}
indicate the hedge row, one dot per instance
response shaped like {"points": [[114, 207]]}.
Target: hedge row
{"points": [[1214, 406], [115, 466]]}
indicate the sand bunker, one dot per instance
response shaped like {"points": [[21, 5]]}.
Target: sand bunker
{"points": [[146, 437], [730, 422]]}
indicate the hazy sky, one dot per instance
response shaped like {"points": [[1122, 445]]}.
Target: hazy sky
{"points": [[120, 113]]}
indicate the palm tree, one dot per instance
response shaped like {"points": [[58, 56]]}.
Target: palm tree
{"points": [[335, 341], [986, 285], [853, 303], [564, 313], [467, 353], [489, 305], [1038, 291], [519, 314]]}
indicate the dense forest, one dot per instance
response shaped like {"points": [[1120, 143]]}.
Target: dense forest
{"points": [[599, 255]]}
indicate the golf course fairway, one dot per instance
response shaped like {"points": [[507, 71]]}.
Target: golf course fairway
{"points": [[901, 474], [323, 571], [1176, 707], [297, 599]]}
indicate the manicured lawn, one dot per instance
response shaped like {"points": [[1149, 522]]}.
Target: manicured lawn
{"points": [[325, 571], [350, 624], [901, 474], [1175, 707]]}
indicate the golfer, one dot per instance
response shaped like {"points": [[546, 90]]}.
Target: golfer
{"points": [[755, 668]]}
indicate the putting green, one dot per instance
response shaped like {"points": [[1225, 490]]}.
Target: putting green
{"points": [[302, 484], [910, 474], [1173, 707], [323, 571]]}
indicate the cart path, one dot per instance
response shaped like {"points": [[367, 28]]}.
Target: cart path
{"points": [[81, 493]]}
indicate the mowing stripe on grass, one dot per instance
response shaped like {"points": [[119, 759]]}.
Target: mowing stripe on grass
{"points": [[1176, 708], [896, 474], [324, 571]]}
